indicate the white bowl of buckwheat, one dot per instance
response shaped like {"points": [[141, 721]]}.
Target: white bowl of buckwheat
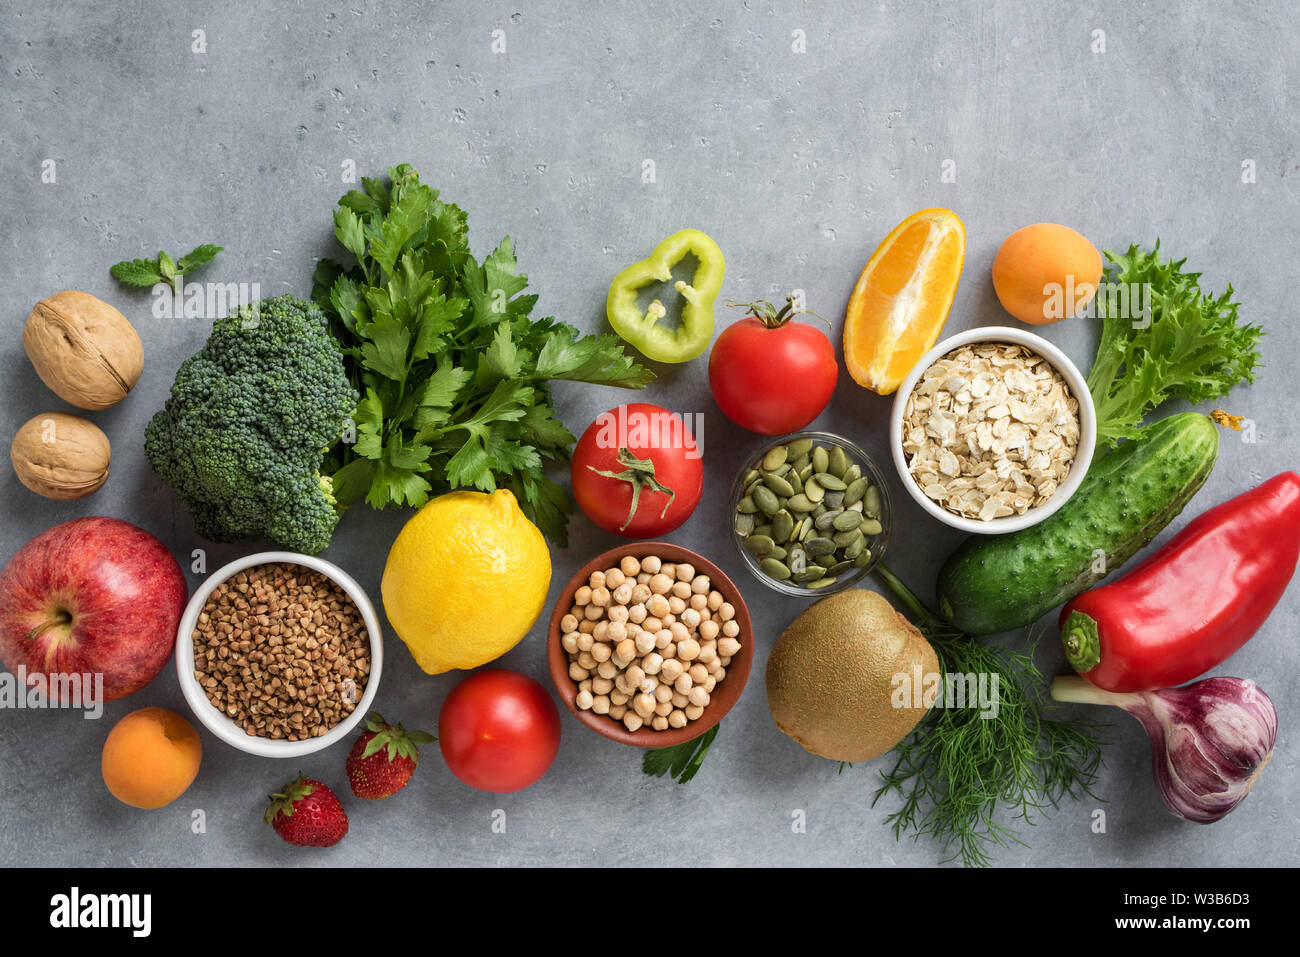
{"points": [[993, 430], [279, 654]]}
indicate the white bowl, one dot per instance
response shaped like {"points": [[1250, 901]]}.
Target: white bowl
{"points": [[215, 720], [1087, 429]]}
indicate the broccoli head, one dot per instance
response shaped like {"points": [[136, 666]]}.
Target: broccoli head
{"points": [[250, 416]]}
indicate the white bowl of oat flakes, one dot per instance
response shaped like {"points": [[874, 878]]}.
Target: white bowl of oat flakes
{"points": [[993, 430], [279, 654]]}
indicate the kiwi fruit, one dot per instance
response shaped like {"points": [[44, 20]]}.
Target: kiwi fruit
{"points": [[831, 676]]}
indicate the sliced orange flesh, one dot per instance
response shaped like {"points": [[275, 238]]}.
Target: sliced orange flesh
{"points": [[902, 298]]}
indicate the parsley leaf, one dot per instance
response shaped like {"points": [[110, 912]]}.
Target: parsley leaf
{"points": [[453, 367], [681, 762]]}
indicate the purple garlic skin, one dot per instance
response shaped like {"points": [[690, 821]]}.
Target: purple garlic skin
{"points": [[1210, 741]]}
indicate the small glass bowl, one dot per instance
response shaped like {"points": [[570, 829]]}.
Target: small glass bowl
{"points": [[856, 455]]}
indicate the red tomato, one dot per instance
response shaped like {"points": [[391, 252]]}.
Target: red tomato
{"points": [[638, 445], [771, 375], [499, 731]]}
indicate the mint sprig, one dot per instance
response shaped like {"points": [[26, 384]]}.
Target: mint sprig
{"points": [[150, 272]]}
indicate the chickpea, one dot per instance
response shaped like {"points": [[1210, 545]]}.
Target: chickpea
{"points": [[659, 723], [616, 631], [731, 628], [669, 569], [699, 603], [709, 684], [614, 578], [641, 594], [657, 606], [714, 667], [597, 580], [617, 614], [663, 709], [668, 619], [570, 642], [645, 643], [576, 612], [585, 642], [600, 704], [583, 595], [700, 586], [618, 698], [635, 674], [720, 673], [600, 685], [680, 700], [623, 595], [593, 612], [584, 685], [664, 693], [683, 684], [600, 596], [632, 721], [630, 565], [693, 711], [725, 661], [624, 651], [651, 564], [649, 684], [688, 649], [568, 623], [708, 652], [644, 704], [607, 670], [652, 663], [600, 631], [715, 600], [682, 590], [616, 711], [698, 696], [678, 631], [623, 686], [586, 627], [586, 662], [577, 672], [669, 650], [677, 718], [584, 700], [663, 638], [698, 673], [601, 653], [726, 611], [652, 624], [728, 646], [643, 578], [709, 629], [671, 669], [660, 585], [637, 614], [691, 618]]}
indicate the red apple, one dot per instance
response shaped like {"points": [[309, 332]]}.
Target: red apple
{"points": [[94, 595]]}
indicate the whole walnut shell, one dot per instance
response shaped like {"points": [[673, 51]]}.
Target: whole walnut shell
{"points": [[83, 349], [61, 456]]}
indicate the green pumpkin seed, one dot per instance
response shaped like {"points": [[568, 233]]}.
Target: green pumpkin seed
{"points": [[820, 510], [821, 459], [778, 553], [766, 501], [871, 526], [775, 458], [749, 489], [806, 472], [863, 559], [854, 550], [751, 476], [797, 465], [800, 502], [810, 574], [845, 539], [774, 568], [778, 485], [795, 481], [834, 500], [819, 546], [782, 525], [798, 448], [847, 521], [856, 507], [832, 483], [855, 490], [760, 545], [820, 583], [808, 530], [747, 505], [852, 474], [839, 462], [763, 530], [871, 502], [814, 490], [744, 524], [839, 568], [827, 518]]}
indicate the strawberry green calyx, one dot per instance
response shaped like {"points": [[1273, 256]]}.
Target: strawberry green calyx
{"points": [[282, 802], [394, 739]]}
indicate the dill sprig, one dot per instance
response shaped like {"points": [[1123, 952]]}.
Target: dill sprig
{"points": [[959, 774]]}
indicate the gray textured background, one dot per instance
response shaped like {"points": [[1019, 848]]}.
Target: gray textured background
{"points": [[796, 164]]}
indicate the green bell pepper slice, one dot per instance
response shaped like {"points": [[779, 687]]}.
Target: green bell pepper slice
{"points": [[643, 330]]}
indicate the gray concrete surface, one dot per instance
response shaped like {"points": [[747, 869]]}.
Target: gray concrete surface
{"points": [[796, 163]]}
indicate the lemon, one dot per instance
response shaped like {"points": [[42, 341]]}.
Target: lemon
{"points": [[465, 580]]}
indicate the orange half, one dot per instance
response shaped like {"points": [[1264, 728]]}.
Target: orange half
{"points": [[902, 298]]}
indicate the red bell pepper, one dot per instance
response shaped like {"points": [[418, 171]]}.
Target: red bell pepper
{"points": [[1195, 601]]}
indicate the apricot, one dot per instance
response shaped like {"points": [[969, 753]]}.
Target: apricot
{"points": [[151, 757], [1046, 272]]}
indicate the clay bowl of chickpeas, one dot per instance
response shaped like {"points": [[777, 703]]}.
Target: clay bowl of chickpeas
{"points": [[650, 644]]}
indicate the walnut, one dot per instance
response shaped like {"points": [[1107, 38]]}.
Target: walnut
{"points": [[83, 349], [61, 456]]}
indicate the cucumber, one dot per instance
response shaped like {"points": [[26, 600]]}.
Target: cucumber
{"points": [[996, 583]]}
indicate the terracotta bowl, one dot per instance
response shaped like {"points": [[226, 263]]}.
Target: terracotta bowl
{"points": [[724, 696]]}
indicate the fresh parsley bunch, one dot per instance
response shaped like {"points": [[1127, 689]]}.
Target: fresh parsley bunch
{"points": [[453, 371]]}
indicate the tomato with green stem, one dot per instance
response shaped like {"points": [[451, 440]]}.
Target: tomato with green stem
{"points": [[769, 374]]}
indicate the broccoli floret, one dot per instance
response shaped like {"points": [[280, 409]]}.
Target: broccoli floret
{"points": [[250, 416]]}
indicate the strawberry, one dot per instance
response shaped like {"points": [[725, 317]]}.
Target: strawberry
{"points": [[383, 759], [307, 813]]}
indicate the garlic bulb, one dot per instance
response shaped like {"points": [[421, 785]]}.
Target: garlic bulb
{"points": [[1210, 740]]}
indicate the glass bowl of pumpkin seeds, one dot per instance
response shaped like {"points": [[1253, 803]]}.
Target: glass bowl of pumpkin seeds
{"points": [[810, 514]]}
